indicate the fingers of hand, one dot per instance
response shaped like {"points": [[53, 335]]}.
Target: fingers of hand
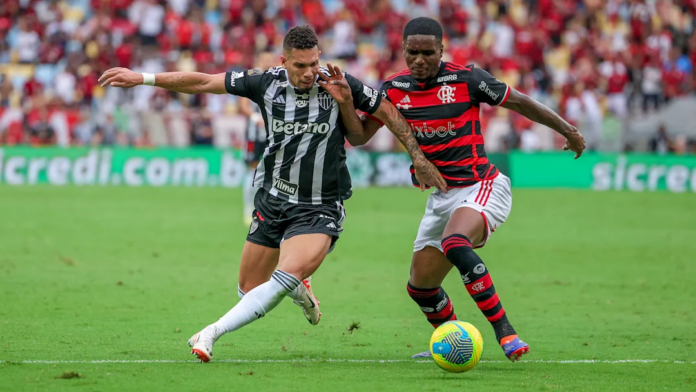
{"points": [[331, 71], [110, 80], [323, 77], [338, 72], [105, 76]]}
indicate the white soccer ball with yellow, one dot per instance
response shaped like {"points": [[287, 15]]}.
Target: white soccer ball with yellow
{"points": [[456, 346]]}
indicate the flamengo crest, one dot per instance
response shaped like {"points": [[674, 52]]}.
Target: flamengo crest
{"points": [[446, 94]]}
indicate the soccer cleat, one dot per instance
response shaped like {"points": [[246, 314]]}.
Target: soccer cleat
{"points": [[513, 347], [425, 354], [310, 306], [202, 344]]}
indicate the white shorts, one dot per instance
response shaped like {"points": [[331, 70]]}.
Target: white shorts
{"points": [[492, 198]]}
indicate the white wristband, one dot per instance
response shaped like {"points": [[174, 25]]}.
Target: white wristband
{"points": [[148, 79]]}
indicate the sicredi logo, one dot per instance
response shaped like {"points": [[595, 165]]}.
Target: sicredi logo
{"points": [[640, 177]]}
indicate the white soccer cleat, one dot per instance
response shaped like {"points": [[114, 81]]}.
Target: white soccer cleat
{"points": [[310, 303], [202, 344]]}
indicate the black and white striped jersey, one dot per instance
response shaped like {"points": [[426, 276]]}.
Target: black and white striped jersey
{"points": [[305, 160]]}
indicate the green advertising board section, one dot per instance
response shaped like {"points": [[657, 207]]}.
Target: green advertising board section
{"points": [[175, 167], [132, 167], [603, 172]]}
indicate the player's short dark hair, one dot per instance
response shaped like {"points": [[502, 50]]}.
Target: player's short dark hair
{"points": [[423, 26], [300, 37]]}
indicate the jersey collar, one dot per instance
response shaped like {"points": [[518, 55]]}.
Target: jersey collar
{"points": [[431, 81]]}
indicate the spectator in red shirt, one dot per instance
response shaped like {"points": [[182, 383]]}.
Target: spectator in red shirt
{"points": [[673, 78]]}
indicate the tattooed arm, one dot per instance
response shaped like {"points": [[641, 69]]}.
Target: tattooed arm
{"points": [[426, 172], [336, 84], [541, 114], [181, 82]]}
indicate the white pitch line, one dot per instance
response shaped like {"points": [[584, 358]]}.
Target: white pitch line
{"points": [[569, 361]]}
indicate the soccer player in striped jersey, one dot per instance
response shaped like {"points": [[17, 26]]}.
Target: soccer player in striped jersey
{"points": [[441, 102], [302, 177]]}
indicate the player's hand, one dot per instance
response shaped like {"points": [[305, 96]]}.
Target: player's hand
{"points": [[336, 85], [428, 175], [574, 142], [120, 77]]}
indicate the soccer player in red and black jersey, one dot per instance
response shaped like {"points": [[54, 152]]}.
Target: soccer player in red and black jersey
{"points": [[441, 102]]}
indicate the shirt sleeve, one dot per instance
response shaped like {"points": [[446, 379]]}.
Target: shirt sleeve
{"points": [[484, 87], [365, 98], [244, 84], [383, 91]]}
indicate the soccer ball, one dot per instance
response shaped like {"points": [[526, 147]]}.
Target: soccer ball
{"points": [[456, 346]]}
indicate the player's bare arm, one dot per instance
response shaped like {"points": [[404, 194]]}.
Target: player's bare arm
{"points": [[540, 113], [426, 173], [181, 82], [370, 126]]}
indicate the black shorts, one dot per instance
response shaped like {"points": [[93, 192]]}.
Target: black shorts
{"points": [[275, 220], [254, 152]]}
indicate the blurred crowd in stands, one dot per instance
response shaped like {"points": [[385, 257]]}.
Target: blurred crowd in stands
{"points": [[599, 63]]}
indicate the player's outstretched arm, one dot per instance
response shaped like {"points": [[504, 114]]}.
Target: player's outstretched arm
{"points": [[540, 113], [181, 82]]}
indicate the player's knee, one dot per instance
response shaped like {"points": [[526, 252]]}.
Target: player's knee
{"points": [[460, 252], [245, 286], [421, 278]]}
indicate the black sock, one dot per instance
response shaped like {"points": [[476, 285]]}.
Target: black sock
{"points": [[434, 303], [458, 250]]}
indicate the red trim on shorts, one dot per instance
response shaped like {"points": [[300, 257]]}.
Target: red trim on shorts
{"points": [[490, 189]]}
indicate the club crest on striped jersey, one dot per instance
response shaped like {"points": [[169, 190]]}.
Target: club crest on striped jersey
{"points": [[325, 101], [446, 94]]}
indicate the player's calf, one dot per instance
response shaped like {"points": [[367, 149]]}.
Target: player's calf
{"points": [[434, 303]]}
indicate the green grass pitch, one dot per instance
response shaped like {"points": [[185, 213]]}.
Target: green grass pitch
{"points": [[101, 275]]}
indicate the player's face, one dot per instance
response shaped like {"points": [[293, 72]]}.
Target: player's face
{"points": [[302, 66], [422, 54]]}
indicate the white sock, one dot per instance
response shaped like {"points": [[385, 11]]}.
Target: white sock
{"points": [[297, 294], [256, 303], [249, 191]]}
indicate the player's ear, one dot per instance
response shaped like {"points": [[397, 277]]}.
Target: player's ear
{"points": [[283, 60]]}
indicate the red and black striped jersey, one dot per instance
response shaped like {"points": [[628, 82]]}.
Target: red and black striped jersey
{"points": [[444, 115]]}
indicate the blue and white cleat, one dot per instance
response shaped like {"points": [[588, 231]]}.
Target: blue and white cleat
{"points": [[425, 354], [513, 347]]}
